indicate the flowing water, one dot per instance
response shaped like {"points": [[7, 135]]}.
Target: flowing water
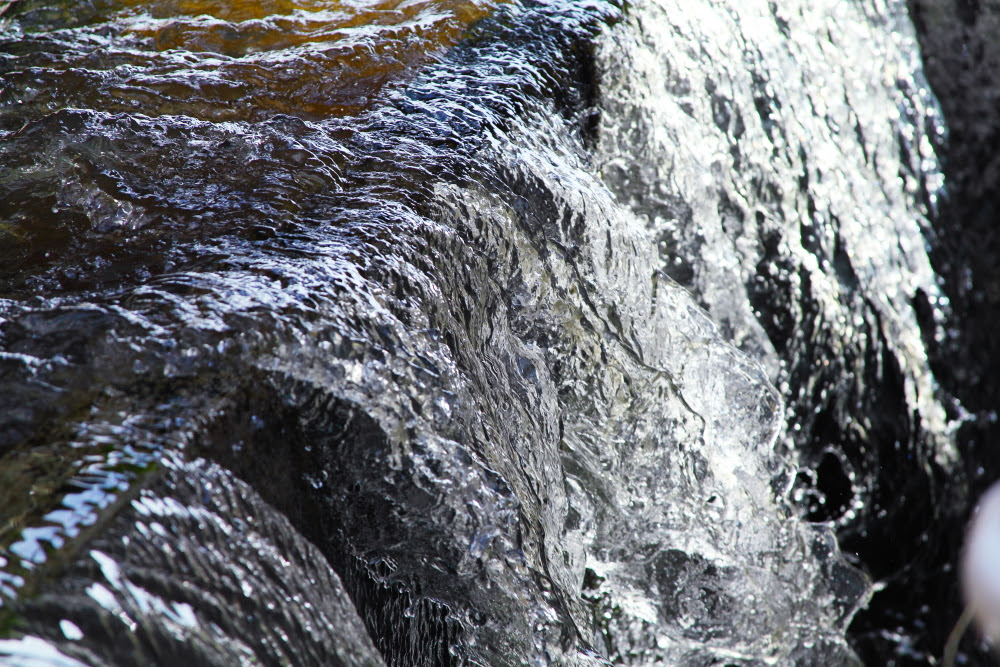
{"points": [[449, 332]]}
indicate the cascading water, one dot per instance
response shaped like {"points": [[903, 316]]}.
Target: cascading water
{"points": [[328, 337], [782, 155]]}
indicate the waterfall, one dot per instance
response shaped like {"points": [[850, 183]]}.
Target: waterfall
{"points": [[553, 332]]}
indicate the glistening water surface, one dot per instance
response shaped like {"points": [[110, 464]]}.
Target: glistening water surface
{"points": [[468, 333]]}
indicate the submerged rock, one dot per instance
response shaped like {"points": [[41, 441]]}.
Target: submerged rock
{"points": [[199, 570]]}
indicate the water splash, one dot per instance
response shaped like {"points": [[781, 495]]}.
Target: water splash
{"points": [[455, 342]]}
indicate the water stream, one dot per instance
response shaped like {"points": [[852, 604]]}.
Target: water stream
{"points": [[443, 332]]}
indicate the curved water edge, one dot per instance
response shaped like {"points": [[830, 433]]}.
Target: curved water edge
{"points": [[453, 338]]}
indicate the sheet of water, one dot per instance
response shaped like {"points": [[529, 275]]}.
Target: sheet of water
{"points": [[484, 337]]}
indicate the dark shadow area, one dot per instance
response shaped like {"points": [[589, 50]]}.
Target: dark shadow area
{"points": [[326, 468], [961, 55]]}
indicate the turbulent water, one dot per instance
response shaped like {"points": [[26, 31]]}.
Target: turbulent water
{"points": [[558, 332]]}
